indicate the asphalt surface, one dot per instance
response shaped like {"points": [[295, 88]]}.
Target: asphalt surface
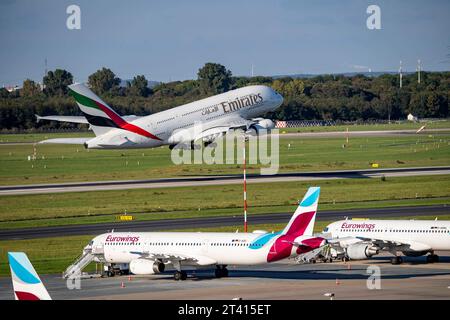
{"points": [[190, 223], [219, 180], [414, 279]]}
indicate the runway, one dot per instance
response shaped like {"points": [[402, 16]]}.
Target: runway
{"points": [[414, 279], [368, 133], [219, 180], [191, 223]]}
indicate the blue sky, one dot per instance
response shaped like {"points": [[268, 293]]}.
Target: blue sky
{"points": [[171, 40]]}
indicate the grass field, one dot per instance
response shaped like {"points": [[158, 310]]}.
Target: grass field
{"points": [[54, 255], [147, 204], [402, 125], [68, 163]]}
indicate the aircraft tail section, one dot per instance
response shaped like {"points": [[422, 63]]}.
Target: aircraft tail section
{"points": [[302, 222], [26, 282], [100, 116]]}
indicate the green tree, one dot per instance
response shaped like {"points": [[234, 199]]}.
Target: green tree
{"points": [[103, 80], [4, 93], [56, 82], [30, 88], [139, 86], [432, 105], [214, 78]]}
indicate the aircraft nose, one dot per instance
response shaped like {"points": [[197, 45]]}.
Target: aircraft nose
{"points": [[278, 97]]}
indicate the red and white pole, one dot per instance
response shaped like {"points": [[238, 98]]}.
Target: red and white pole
{"points": [[245, 191]]}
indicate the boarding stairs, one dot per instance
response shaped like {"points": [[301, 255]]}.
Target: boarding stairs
{"points": [[81, 262], [312, 255]]}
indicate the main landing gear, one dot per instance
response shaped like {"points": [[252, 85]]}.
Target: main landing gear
{"points": [[221, 271], [396, 260], [180, 275], [432, 258]]}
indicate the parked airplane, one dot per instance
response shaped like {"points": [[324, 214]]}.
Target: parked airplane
{"points": [[361, 239], [205, 119], [149, 252], [26, 282]]}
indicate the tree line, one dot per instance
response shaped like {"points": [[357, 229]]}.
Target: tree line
{"points": [[323, 97]]}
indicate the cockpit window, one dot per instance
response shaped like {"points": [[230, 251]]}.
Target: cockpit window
{"points": [[325, 230], [91, 242]]}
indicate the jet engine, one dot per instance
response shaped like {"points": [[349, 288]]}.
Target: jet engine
{"points": [[208, 140], [262, 124], [145, 266], [361, 251]]}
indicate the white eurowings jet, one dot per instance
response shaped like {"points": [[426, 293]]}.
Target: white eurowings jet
{"points": [[26, 282], [149, 252], [361, 239], [205, 119]]}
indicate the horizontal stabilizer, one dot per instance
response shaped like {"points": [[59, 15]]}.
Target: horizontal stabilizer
{"points": [[72, 119], [66, 140]]}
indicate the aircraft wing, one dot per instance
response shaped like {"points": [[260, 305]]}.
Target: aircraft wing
{"points": [[76, 119], [66, 140], [384, 242], [342, 242], [169, 257], [223, 126], [297, 243], [339, 240]]}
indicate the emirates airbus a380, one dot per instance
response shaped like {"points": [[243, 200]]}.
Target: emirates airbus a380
{"points": [[205, 119], [148, 253]]}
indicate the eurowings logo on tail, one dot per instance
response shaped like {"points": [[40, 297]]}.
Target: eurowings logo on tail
{"points": [[99, 114], [26, 282], [301, 224]]}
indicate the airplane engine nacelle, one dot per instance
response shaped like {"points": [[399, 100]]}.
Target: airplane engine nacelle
{"points": [[361, 251], [210, 138], [263, 124], [145, 266]]}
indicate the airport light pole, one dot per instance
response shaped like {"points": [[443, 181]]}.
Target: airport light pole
{"points": [[245, 188]]}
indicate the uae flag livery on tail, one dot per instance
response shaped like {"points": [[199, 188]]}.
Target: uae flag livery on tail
{"points": [[100, 116]]}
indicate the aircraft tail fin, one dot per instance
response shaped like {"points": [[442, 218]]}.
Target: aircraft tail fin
{"points": [[100, 116], [26, 282], [302, 221]]}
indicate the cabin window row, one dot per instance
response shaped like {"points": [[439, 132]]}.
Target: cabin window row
{"points": [[415, 231], [122, 243], [198, 110], [215, 244], [197, 244], [165, 120]]}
